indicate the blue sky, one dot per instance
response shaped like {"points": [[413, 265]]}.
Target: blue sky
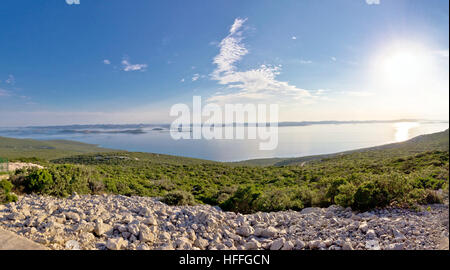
{"points": [[114, 61]]}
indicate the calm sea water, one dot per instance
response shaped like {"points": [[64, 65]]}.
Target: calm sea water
{"points": [[293, 141]]}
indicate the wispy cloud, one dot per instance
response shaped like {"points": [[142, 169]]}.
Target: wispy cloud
{"points": [[182, 80], [231, 50], [195, 77], [11, 80], [334, 59], [127, 66], [358, 93], [106, 62], [293, 37], [255, 84], [4, 93], [302, 61], [373, 2]]}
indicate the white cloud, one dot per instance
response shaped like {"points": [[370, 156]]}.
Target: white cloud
{"points": [[255, 84], [4, 93], [127, 66], [106, 62], [294, 37], [373, 2], [195, 77], [301, 61], [334, 59], [358, 93], [231, 50], [11, 80], [182, 80]]}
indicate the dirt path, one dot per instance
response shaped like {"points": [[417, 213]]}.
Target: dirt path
{"points": [[12, 241]]}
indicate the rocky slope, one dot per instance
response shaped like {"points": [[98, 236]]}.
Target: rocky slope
{"points": [[119, 222]]}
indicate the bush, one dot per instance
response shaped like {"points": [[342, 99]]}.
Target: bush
{"points": [[96, 186], [345, 195], [428, 183], [333, 189], [38, 181], [277, 200], [5, 186], [424, 196], [368, 196], [242, 200], [179, 197], [5, 189]]}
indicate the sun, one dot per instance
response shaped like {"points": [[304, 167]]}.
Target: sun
{"points": [[403, 66]]}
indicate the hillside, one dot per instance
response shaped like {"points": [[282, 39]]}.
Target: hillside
{"points": [[430, 142], [406, 174], [27, 148]]}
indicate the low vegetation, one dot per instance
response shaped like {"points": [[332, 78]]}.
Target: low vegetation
{"points": [[5, 192], [401, 176]]}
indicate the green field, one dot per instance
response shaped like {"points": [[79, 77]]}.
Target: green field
{"points": [[403, 174]]}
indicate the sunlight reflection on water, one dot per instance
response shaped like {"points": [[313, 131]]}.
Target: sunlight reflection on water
{"points": [[402, 130]]}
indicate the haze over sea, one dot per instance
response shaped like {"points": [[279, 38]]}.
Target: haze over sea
{"points": [[294, 140]]}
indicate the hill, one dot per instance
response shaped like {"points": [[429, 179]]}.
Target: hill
{"points": [[429, 142], [404, 174], [12, 148]]}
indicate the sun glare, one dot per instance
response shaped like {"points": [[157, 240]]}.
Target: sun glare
{"points": [[402, 130], [404, 66]]}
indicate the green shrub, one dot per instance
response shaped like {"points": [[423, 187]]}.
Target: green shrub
{"points": [[179, 197], [39, 180], [333, 189], [277, 200], [5, 186], [368, 196], [242, 200], [428, 183], [345, 195], [96, 186], [5, 189]]}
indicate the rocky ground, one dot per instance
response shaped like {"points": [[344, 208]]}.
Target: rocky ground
{"points": [[119, 222]]}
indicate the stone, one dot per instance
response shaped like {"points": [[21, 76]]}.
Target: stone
{"points": [[145, 235], [372, 245], [101, 229], [201, 243], [73, 245], [266, 232], [277, 244], [299, 244], [245, 231], [134, 229], [146, 212], [252, 244], [150, 221], [396, 246], [116, 243], [143, 247], [363, 227], [315, 244], [73, 216], [398, 235], [288, 245], [371, 234], [347, 246], [183, 243]]}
